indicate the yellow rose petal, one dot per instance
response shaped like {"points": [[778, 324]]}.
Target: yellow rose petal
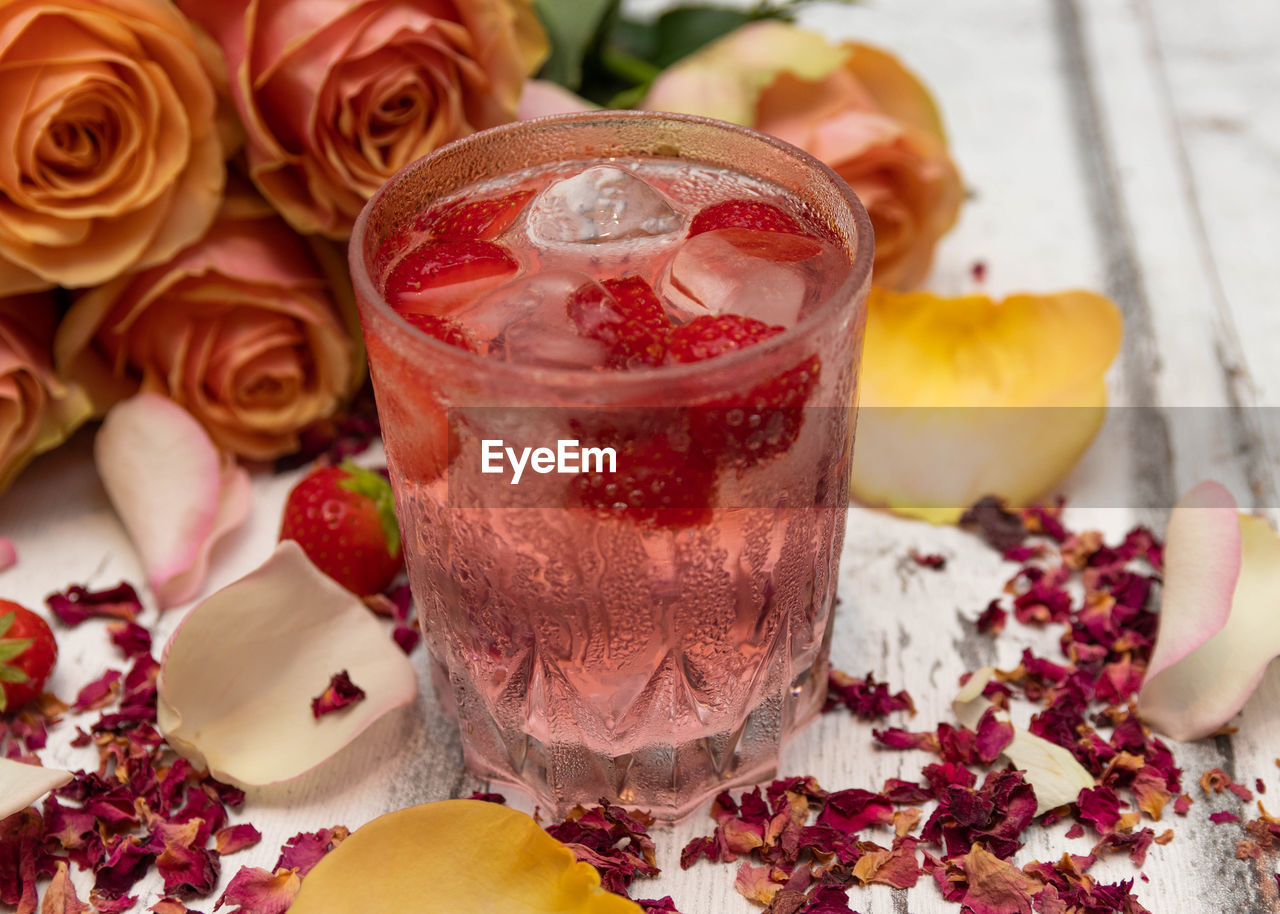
{"points": [[965, 397], [459, 857]]}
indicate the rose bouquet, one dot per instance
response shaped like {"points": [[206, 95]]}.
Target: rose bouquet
{"points": [[184, 172]]}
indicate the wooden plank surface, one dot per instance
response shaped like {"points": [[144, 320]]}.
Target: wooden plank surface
{"points": [[1121, 145]]}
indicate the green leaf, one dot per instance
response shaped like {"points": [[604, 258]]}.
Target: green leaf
{"points": [[573, 27], [14, 648], [374, 486], [685, 29], [13, 674]]}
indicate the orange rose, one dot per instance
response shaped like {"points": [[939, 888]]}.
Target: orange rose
{"points": [[244, 329], [113, 157], [852, 106], [336, 97], [37, 411]]}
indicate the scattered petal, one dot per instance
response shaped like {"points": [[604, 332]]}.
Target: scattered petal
{"points": [[77, 603], [255, 891], [1219, 615], [175, 493], [340, 693], [8, 554], [236, 838], [511, 863], [1053, 773], [239, 673], [22, 784], [60, 896], [954, 389]]}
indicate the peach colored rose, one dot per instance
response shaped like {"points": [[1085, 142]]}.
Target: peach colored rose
{"points": [[250, 330], [114, 158], [37, 411], [852, 106], [336, 96]]}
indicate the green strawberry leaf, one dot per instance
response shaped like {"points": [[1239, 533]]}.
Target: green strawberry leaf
{"points": [[7, 620], [374, 486], [13, 674], [15, 647]]}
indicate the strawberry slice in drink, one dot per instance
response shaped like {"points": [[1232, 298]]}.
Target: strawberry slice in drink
{"points": [[746, 428], [625, 315], [478, 220], [744, 214], [662, 479], [443, 329], [438, 276]]}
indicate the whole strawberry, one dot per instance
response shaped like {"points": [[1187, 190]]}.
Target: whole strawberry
{"points": [[344, 519], [28, 652]]}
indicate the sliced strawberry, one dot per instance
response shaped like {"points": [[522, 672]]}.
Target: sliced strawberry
{"points": [[443, 329], [661, 480], [760, 423], [708, 336], [744, 214], [438, 274], [475, 219], [626, 315]]}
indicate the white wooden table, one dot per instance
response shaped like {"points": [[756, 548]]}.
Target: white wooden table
{"points": [[1119, 145]]}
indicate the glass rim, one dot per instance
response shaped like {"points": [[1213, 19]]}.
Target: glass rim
{"points": [[859, 272]]}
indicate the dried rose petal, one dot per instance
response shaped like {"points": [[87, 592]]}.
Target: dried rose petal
{"points": [[340, 693], [239, 673], [236, 838], [1001, 528], [131, 638], [175, 493], [60, 895], [1219, 617], [866, 698], [255, 891], [304, 850], [77, 603]]}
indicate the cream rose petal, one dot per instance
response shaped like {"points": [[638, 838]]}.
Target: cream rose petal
{"points": [[1219, 615], [542, 97], [175, 493], [22, 784], [1053, 772], [238, 676]]}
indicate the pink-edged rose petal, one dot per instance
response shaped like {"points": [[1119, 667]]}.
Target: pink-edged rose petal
{"points": [[8, 554], [238, 676], [22, 784], [1219, 615], [541, 97], [176, 494]]}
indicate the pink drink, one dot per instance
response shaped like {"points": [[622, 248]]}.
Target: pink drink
{"points": [[649, 632]]}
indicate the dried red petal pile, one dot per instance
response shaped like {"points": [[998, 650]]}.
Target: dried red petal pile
{"points": [[1099, 595], [144, 806], [617, 843], [865, 697]]}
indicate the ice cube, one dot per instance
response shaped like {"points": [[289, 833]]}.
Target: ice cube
{"points": [[716, 273], [526, 321], [603, 203]]}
